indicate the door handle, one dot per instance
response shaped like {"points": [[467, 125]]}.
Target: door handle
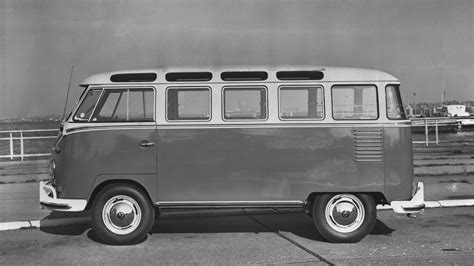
{"points": [[146, 144]]}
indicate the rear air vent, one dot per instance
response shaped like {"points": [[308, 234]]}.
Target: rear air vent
{"points": [[133, 77], [368, 145], [244, 75], [300, 75], [188, 76]]}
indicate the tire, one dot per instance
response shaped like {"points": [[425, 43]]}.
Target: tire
{"points": [[344, 218], [122, 214]]}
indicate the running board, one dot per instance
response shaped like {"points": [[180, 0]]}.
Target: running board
{"points": [[229, 204]]}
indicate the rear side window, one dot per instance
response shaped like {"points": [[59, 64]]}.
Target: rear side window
{"points": [[354, 102], [84, 111], [301, 103], [188, 104], [394, 103], [125, 105], [245, 103]]}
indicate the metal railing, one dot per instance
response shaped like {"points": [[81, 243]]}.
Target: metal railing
{"points": [[22, 135], [434, 123]]}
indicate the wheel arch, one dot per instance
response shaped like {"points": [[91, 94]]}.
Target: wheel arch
{"points": [[107, 182], [378, 197]]}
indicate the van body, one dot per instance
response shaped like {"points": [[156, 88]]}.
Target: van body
{"points": [[333, 142]]}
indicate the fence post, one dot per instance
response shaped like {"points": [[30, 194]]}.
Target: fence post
{"points": [[426, 131], [21, 145], [11, 146], [437, 139]]}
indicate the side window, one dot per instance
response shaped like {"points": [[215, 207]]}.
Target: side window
{"points": [[141, 105], [354, 102], [394, 103], [112, 107], [188, 104], [125, 105], [301, 102], [84, 111], [245, 103]]}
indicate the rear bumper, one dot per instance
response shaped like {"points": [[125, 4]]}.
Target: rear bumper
{"points": [[416, 204], [49, 200]]}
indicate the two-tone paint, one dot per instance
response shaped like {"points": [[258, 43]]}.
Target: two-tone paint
{"points": [[219, 163]]}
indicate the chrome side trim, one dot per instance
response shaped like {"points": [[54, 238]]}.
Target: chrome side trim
{"points": [[102, 127], [280, 125], [84, 127], [229, 204], [223, 126]]}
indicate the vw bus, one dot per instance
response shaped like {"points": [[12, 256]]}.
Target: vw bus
{"points": [[332, 142]]}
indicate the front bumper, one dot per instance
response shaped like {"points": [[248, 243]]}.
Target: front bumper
{"points": [[49, 200], [416, 204]]}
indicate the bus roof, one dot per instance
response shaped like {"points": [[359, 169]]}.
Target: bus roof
{"points": [[330, 74]]}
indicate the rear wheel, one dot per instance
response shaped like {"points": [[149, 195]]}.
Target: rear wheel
{"points": [[122, 214], [344, 218]]}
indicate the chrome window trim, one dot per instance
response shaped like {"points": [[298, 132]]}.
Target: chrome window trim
{"points": [[209, 89], [81, 100], [95, 106], [127, 88], [128, 105], [244, 87], [360, 84], [315, 86], [397, 86]]}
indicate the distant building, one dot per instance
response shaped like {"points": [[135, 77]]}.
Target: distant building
{"points": [[455, 110]]}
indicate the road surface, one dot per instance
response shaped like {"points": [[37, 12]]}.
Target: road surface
{"points": [[439, 236]]}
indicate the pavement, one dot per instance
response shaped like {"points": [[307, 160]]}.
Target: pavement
{"points": [[441, 236], [19, 207]]}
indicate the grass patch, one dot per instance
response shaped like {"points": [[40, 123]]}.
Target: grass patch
{"points": [[19, 181], [455, 181], [440, 164], [446, 174]]}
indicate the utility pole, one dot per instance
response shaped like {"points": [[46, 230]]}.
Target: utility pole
{"points": [[414, 104], [443, 95]]}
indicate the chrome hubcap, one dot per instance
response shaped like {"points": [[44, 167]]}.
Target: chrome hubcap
{"points": [[121, 214], [345, 213]]}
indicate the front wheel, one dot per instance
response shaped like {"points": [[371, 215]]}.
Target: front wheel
{"points": [[122, 214], [344, 218]]}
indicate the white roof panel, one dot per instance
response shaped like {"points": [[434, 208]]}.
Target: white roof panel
{"points": [[331, 74]]}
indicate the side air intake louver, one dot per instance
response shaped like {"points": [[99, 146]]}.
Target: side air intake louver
{"points": [[368, 145]]}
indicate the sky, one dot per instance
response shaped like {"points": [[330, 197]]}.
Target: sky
{"points": [[424, 43]]}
